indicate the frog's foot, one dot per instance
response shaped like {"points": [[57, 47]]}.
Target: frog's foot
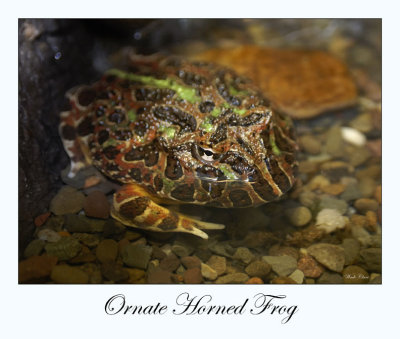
{"points": [[133, 207], [74, 145]]}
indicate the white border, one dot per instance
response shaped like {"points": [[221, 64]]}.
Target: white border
{"points": [[49, 311]]}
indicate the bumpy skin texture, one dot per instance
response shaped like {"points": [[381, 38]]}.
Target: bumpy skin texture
{"points": [[186, 132]]}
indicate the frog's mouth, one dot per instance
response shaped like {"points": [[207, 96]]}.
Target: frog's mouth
{"points": [[205, 155]]}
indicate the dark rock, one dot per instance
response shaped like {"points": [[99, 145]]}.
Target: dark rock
{"points": [[351, 250], [364, 205], [82, 224], [182, 249], [258, 239], [203, 254], [376, 280], [233, 278], [170, 263], [64, 274], [35, 247], [136, 255], [355, 275], [113, 229], [159, 276], [96, 205], [64, 249], [258, 268], [372, 257], [193, 276], [93, 271], [277, 250], [84, 256], [35, 268], [114, 272], [217, 263], [222, 249], [136, 275], [243, 254], [55, 223], [330, 278], [158, 253], [107, 250], [90, 240], [191, 262], [67, 201]]}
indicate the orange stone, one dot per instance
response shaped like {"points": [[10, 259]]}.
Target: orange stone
{"points": [[64, 233], [334, 189], [309, 267], [255, 280], [301, 83], [91, 181], [41, 219], [283, 280], [378, 194], [35, 268]]}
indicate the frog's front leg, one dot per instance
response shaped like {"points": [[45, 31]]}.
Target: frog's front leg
{"points": [[134, 207]]}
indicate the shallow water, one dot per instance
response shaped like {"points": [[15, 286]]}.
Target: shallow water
{"points": [[327, 229]]}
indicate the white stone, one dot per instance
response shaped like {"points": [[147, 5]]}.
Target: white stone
{"points": [[330, 220], [48, 235], [208, 272], [297, 276], [354, 137]]}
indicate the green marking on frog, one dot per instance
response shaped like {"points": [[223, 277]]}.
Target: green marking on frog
{"points": [[131, 115], [169, 132], [239, 111], [207, 125], [228, 173], [216, 111], [234, 91], [234, 109], [110, 142], [274, 147], [168, 185], [183, 92]]}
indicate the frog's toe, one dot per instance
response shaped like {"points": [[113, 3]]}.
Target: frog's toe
{"points": [[142, 212]]}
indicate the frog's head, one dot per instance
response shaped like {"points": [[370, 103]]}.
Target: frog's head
{"points": [[249, 156]]}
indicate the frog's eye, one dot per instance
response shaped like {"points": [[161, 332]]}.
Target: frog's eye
{"points": [[204, 155]]}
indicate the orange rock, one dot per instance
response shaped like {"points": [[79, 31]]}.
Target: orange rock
{"points": [[254, 280], [375, 146], [334, 189], [64, 233], [283, 280], [372, 219], [378, 194], [309, 267], [371, 89], [301, 83], [41, 219], [91, 181], [35, 268]]}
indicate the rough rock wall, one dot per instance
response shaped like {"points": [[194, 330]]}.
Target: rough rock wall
{"points": [[50, 61]]}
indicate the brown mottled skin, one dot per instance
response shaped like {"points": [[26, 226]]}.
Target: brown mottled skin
{"points": [[174, 131]]}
